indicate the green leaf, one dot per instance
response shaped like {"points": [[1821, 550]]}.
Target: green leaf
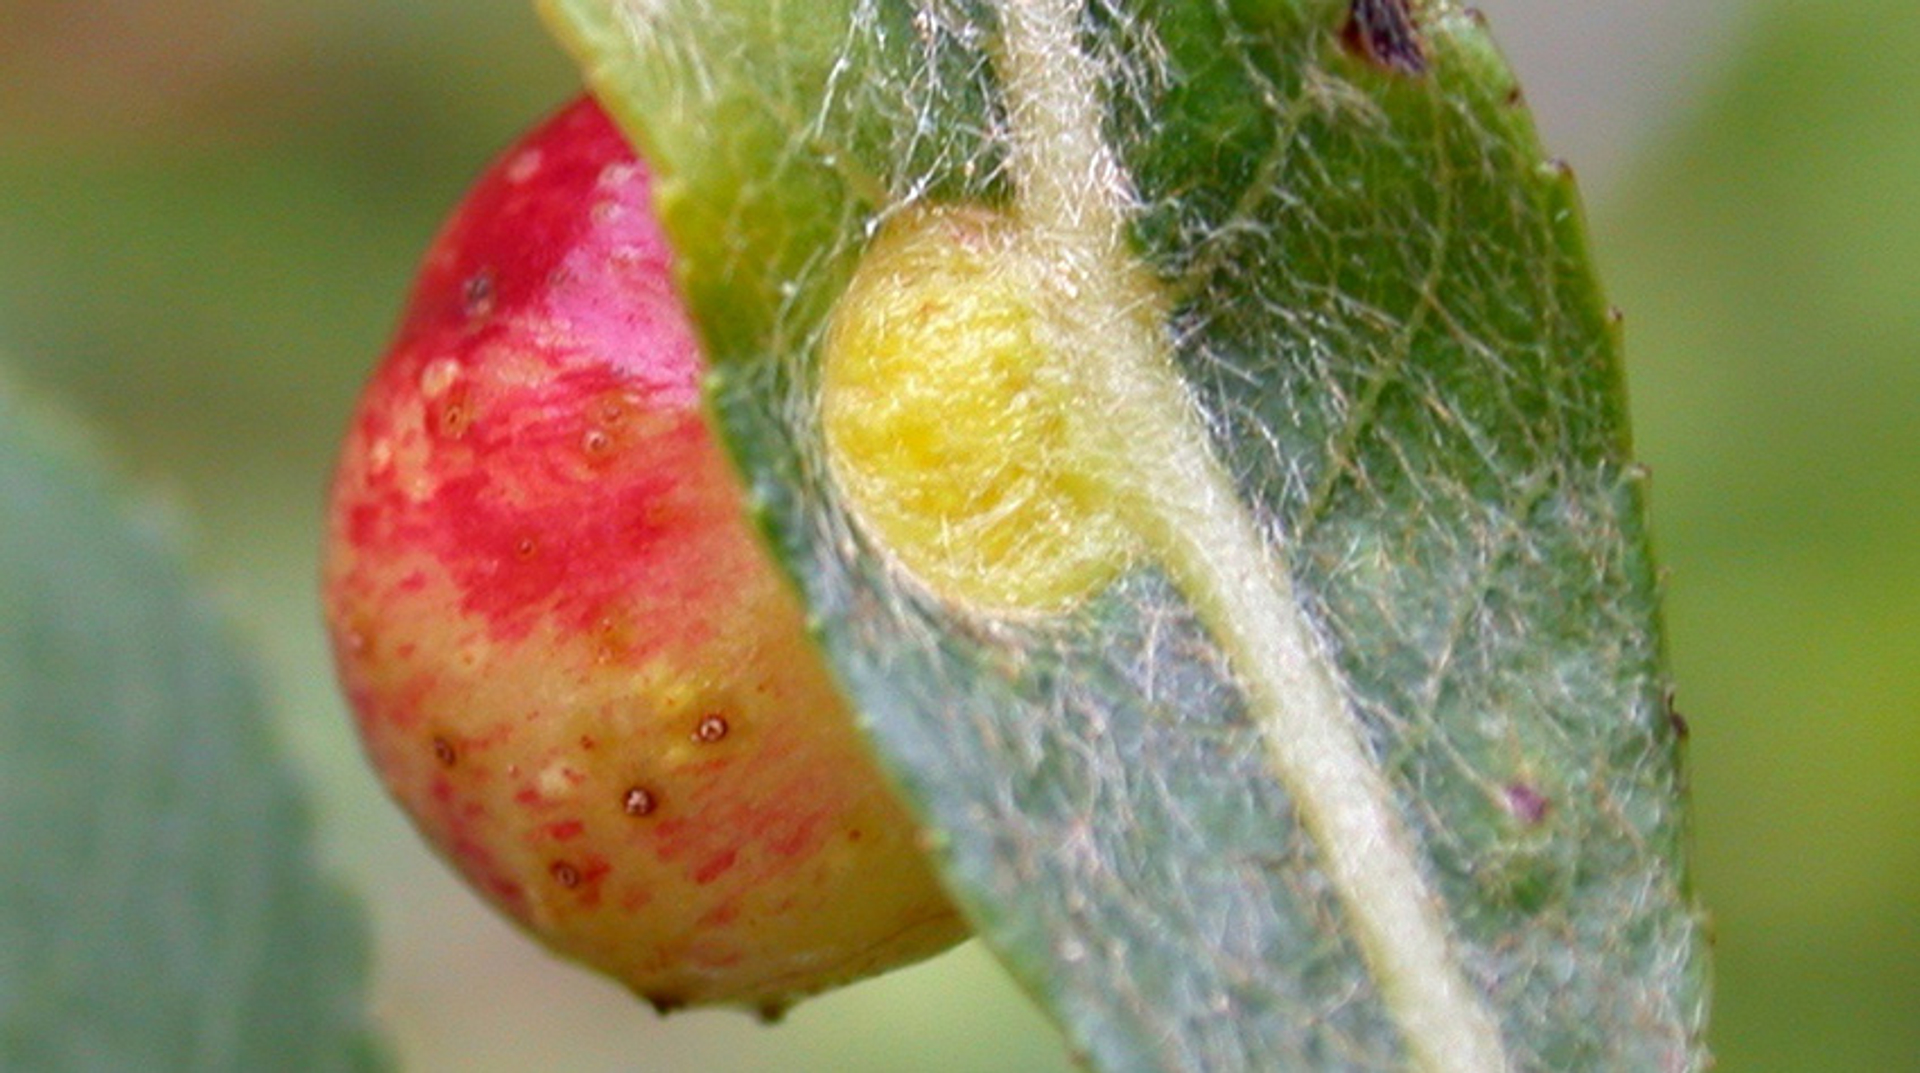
{"points": [[159, 903], [1366, 759]]}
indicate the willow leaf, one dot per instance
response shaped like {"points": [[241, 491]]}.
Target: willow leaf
{"points": [[160, 905], [1364, 759]]}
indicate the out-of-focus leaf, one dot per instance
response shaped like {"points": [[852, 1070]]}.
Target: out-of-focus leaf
{"points": [[1380, 304], [1774, 316], [159, 903]]}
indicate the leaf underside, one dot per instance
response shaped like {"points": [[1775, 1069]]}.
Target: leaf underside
{"points": [[1382, 304], [159, 903]]}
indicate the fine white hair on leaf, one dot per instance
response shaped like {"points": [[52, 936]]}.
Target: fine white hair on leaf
{"points": [[1075, 198]]}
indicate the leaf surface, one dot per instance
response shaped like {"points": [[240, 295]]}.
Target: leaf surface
{"points": [[160, 907], [1423, 608]]}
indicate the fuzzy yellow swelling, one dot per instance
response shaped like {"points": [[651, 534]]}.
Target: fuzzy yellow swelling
{"points": [[948, 420]]}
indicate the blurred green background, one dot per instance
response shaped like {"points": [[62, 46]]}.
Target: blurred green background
{"points": [[209, 211]]}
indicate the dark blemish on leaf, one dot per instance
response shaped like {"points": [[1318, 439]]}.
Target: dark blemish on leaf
{"points": [[443, 751], [1527, 804], [1383, 33], [1515, 97], [1681, 730], [476, 295], [711, 728], [665, 1002], [564, 874], [639, 801]]}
